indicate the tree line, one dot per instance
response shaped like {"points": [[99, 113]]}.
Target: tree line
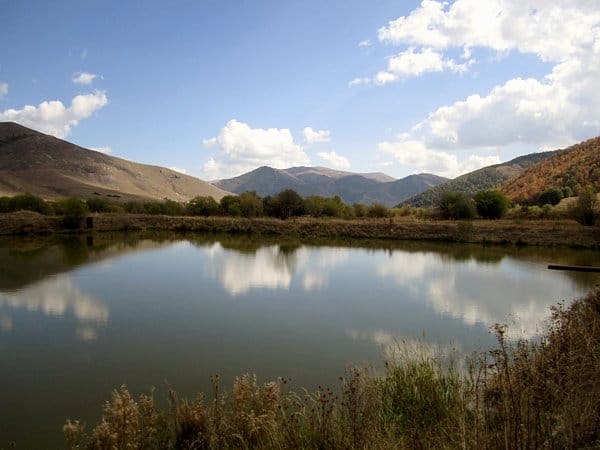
{"points": [[487, 204]]}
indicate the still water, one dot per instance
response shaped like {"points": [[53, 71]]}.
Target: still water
{"points": [[80, 316]]}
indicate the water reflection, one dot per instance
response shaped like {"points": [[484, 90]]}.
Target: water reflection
{"points": [[509, 290], [56, 297]]}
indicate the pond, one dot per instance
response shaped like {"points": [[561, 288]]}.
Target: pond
{"points": [[82, 315]]}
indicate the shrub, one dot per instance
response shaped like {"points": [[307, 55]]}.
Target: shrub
{"points": [[551, 196], [98, 205], [250, 204], [456, 205], [202, 206], [491, 204], [586, 210], [285, 204], [230, 205], [73, 211], [378, 210], [360, 210], [29, 202]]}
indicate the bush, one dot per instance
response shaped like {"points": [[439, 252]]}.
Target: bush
{"points": [[73, 211], [285, 204], [202, 206], [378, 210], [360, 210], [586, 210], [551, 196], [456, 205], [230, 205], [27, 202], [491, 204], [98, 205], [250, 204]]}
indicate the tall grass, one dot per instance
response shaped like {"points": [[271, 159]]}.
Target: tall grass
{"points": [[520, 395]]}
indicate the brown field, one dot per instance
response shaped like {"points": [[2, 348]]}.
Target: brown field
{"points": [[546, 232]]}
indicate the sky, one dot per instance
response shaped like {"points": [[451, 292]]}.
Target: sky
{"points": [[215, 88]]}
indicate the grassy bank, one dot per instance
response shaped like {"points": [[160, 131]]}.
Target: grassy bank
{"points": [[517, 232], [526, 394]]}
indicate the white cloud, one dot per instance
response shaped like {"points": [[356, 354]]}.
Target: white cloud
{"points": [[357, 81], [177, 169], [52, 117], [525, 113], [85, 78], [552, 29], [314, 136], [106, 150], [413, 64], [337, 161], [242, 148], [365, 43], [415, 156], [3, 90]]}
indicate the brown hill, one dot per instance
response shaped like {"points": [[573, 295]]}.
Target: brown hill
{"points": [[575, 166], [52, 168]]}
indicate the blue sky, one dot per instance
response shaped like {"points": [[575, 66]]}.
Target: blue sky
{"points": [[219, 87]]}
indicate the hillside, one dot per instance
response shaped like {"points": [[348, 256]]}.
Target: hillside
{"points": [[52, 168], [486, 178], [575, 166], [351, 187]]}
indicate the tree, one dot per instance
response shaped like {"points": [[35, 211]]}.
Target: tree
{"points": [[491, 204], [202, 206], [285, 204], [250, 204], [551, 196], [456, 205], [230, 205], [586, 210], [378, 210], [74, 211]]}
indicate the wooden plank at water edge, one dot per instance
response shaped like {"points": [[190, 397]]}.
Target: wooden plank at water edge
{"points": [[574, 268]]}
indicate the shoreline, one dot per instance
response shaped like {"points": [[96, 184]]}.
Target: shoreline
{"points": [[544, 233]]}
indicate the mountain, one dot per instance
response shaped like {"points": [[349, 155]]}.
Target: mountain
{"points": [[52, 168], [575, 166], [490, 177], [365, 188]]}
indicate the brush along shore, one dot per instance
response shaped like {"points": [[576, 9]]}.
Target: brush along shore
{"points": [[548, 232], [524, 394]]}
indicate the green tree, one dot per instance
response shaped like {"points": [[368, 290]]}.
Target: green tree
{"points": [[456, 205], [202, 206], [230, 205], [73, 211], [98, 205], [250, 204], [551, 196], [586, 210], [491, 204], [284, 205]]}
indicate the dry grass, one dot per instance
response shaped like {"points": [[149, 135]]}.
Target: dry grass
{"points": [[520, 395], [549, 232]]}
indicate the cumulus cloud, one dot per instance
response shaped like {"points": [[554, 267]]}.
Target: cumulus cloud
{"points": [[411, 63], [337, 161], [3, 90], [416, 156], [532, 114], [84, 78], [242, 148], [53, 117], [177, 169], [314, 136], [357, 81]]}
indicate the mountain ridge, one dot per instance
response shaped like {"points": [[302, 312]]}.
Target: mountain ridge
{"points": [[43, 165], [351, 187]]}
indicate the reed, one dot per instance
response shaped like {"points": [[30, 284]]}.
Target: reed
{"points": [[523, 394]]}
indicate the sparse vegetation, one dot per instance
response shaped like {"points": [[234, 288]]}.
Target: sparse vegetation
{"points": [[542, 393], [456, 205], [587, 208], [491, 204]]}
